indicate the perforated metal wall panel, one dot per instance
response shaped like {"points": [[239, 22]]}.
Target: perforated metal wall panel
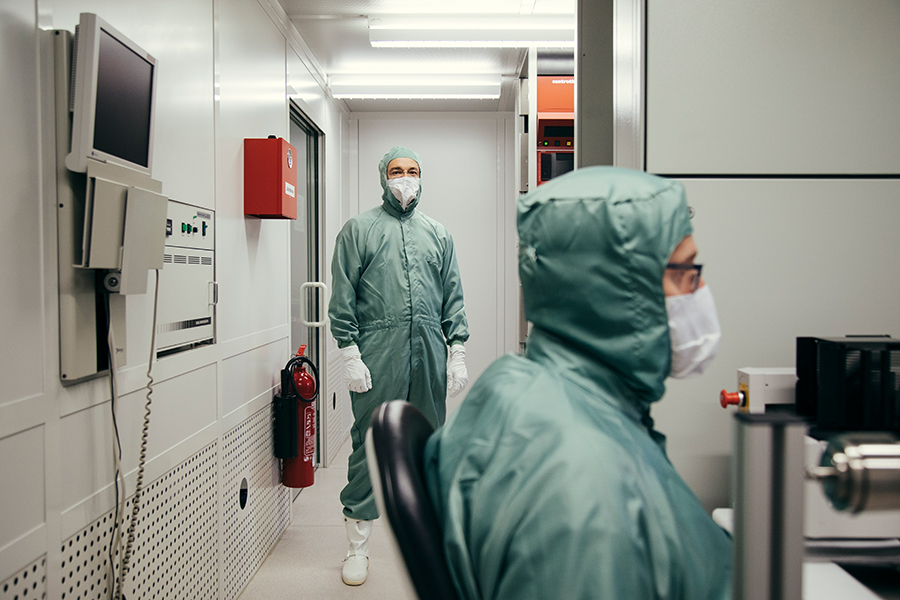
{"points": [[332, 404], [175, 550], [174, 554], [28, 583], [253, 525]]}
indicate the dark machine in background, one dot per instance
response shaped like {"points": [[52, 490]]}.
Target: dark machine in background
{"points": [[556, 152], [555, 115], [848, 384]]}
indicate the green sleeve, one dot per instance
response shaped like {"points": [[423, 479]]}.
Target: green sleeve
{"points": [[453, 313], [346, 268]]}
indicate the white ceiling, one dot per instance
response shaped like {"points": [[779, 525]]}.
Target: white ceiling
{"points": [[336, 32]]}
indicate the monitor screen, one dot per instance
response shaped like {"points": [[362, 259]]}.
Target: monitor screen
{"points": [[114, 90], [124, 90], [563, 131]]}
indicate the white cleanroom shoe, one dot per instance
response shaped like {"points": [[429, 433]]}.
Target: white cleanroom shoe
{"points": [[355, 570], [356, 564]]}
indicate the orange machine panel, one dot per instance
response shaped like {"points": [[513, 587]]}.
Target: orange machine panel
{"points": [[556, 93], [270, 178], [558, 134]]}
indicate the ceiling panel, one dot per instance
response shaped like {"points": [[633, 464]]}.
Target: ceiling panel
{"points": [[386, 105], [373, 7], [336, 32], [342, 46]]}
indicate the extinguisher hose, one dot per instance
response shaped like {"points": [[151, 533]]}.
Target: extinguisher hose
{"points": [[299, 361]]}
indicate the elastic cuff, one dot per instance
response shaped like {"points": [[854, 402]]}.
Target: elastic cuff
{"points": [[351, 351]]}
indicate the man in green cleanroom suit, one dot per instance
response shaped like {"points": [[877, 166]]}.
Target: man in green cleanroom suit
{"points": [[549, 481], [396, 306]]}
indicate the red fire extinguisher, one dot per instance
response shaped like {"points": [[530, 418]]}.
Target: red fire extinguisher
{"points": [[299, 472]]}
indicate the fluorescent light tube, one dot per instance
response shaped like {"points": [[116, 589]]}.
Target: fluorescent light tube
{"points": [[482, 31], [415, 86]]}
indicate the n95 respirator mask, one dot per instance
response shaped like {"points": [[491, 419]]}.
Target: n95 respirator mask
{"points": [[694, 332], [405, 189]]}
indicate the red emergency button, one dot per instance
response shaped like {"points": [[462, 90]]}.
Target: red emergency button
{"points": [[735, 398]]}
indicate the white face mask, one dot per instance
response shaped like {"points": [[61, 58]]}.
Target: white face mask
{"points": [[404, 189], [694, 332]]}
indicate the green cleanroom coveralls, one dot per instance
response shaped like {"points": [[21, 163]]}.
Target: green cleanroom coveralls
{"points": [[549, 480], [396, 293]]}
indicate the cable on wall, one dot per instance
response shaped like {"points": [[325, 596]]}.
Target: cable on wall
{"points": [[142, 459], [116, 582], [118, 477]]}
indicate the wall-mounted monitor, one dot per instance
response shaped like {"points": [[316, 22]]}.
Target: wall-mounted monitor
{"points": [[113, 100]]}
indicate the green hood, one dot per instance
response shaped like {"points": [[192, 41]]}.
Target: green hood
{"points": [[390, 201], [593, 246]]}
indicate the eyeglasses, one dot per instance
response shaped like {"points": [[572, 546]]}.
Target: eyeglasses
{"points": [[685, 276], [398, 172]]}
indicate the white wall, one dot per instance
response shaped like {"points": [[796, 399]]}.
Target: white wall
{"points": [[22, 402], [768, 87], [223, 68], [801, 95], [468, 186]]}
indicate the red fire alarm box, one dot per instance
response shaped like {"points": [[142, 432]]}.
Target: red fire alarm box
{"points": [[270, 178]]}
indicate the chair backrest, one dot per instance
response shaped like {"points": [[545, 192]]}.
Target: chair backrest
{"points": [[395, 445]]}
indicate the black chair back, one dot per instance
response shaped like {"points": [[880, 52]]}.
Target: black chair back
{"points": [[395, 446]]}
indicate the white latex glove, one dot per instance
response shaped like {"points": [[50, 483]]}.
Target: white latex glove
{"points": [[457, 375], [356, 373]]}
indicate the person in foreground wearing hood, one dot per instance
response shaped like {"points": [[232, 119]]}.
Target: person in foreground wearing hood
{"points": [[396, 306], [549, 481]]}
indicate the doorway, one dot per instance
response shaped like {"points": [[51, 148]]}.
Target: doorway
{"points": [[306, 302]]}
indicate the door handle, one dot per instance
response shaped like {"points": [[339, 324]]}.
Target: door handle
{"points": [[303, 294]]}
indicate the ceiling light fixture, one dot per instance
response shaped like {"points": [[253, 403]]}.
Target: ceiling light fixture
{"points": [[472, 31], [410, 86]]}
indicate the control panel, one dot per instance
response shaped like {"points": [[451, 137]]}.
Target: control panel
{"points": [[187, 285], [555, 126], [558, 134], [189, 226]]}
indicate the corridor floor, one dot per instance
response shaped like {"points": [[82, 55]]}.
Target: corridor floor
{"points": [[306, 561]]}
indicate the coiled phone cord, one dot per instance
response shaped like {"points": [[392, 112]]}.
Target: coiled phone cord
{"points": [[142, 460]]}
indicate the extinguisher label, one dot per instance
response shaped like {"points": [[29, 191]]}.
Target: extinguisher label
{"points": [[309, 438], [289, 189]]}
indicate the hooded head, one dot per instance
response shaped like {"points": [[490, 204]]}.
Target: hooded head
{"points": [[386, 195], [593, 247]]}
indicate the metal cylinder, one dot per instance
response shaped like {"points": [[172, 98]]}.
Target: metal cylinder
{"points": [[768, 506], [861, 472]]}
